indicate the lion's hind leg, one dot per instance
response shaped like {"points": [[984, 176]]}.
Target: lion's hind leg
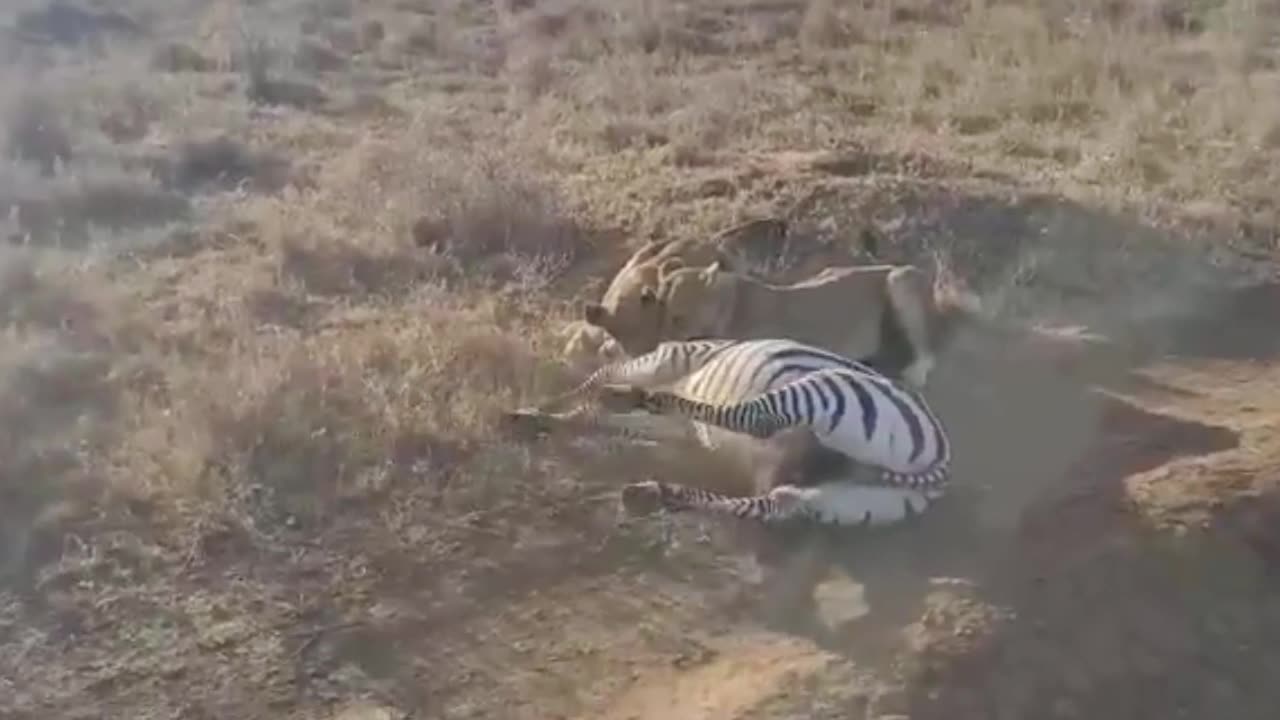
{"points": [[911, 301]]}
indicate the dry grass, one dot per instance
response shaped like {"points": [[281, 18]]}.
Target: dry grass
{"points": [[363, 290]]}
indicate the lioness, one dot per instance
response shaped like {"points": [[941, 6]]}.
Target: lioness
{"points": [[625, 309], [884, 315]]}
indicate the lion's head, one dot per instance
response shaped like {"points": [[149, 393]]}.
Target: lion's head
{"points": [[694, 302], [630, 310]]}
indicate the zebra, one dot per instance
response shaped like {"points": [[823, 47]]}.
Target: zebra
{"points": [[763, 386]]}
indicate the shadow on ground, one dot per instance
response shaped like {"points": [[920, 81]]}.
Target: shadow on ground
{"points": [[1063, 601], [1015, 481]]}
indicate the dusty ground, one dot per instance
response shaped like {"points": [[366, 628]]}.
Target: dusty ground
{"points": [[273, 268]]}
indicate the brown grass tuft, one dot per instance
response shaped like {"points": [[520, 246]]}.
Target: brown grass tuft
{"points": [[217, 453], [69, 24], [495, 222], [70, 351], [68, 210], [825, 26]]}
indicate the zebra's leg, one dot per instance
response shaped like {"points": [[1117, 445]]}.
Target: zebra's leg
{"points": [[665, 364], [837, 503], [620, 398], [585, 421], [532, 422], [761, 416]]}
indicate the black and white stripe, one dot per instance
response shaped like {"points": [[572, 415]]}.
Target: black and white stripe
{"points": [[852, 410], [761, 387], [741, 369]]}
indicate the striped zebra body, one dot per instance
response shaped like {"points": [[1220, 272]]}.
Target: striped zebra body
{"points": [[852, 410], [759, 387], [849, 407], [713, 370], [743, 369]]}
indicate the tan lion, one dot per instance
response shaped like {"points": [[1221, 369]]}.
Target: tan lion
{"points": [[626, 309], [885, 315]]}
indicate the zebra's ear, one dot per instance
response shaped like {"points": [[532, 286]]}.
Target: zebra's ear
{"points": [[648, 296]]}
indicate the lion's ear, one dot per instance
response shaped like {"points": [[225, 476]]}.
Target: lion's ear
{"points": [[669, 266], [727, 262], [649, 251], [710, 272]]}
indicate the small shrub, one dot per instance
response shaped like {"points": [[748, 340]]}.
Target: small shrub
{"points": [[262, 87], [127, 115], [176, 57], [504, 224], [66, 24], [314, 56], [122, 201], [336, 268], [224, 163], [37, 133], [824, 26]]}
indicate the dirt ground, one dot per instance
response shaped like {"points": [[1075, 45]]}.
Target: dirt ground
{"points": [[274, 269]]}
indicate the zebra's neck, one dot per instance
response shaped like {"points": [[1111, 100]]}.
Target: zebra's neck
{"points": [[678, 359], [752, 418], [666, 363]]}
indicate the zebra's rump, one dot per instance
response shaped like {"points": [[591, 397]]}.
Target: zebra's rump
{"points": [[803, 461]]}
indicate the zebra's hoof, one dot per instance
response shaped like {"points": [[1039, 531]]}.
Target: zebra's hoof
{"points": [[642, 498]]}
